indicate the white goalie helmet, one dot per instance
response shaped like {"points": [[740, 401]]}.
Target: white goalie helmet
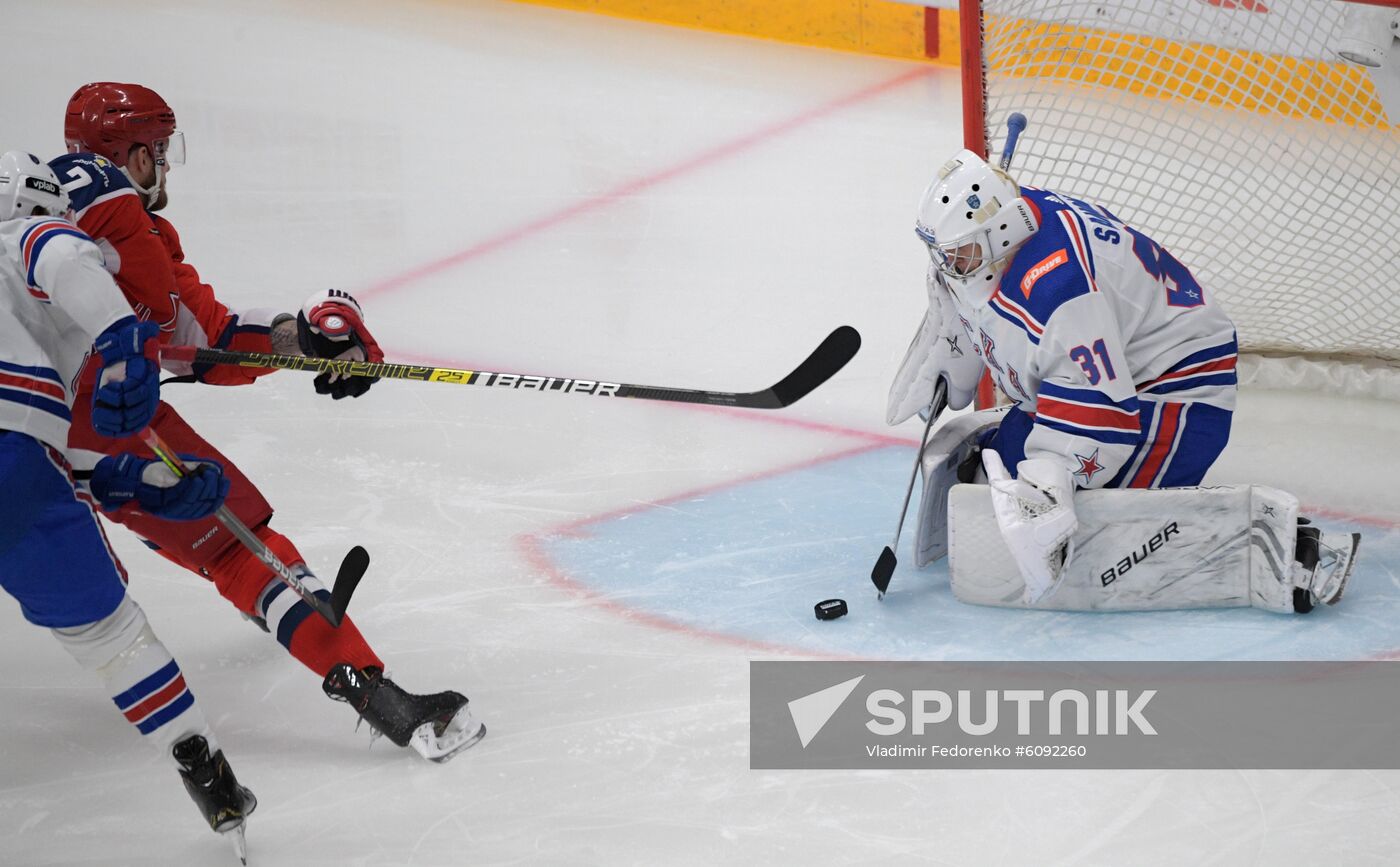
{"points": [[28, 187], [973, 218]]}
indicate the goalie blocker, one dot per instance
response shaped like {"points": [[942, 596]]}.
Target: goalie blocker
{"points": [[1134, 550]]}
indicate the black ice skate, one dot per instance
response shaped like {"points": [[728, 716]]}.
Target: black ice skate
{"points": [[224, 804], [437, 726]]}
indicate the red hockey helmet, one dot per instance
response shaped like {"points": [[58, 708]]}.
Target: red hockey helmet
{"points": [[109, 119]]}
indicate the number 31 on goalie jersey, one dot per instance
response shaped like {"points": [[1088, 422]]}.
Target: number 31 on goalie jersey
{"points": [[1085, 359]]}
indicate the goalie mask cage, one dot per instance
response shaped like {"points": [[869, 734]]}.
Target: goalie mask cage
{"points": [[1232, 132]]}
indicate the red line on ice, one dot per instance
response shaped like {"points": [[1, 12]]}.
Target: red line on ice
{"points": [[701, 160]]}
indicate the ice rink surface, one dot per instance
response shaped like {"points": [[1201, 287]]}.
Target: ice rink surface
{"points": [[521, 189]]}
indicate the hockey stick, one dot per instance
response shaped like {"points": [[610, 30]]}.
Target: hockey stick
{"points": [[1015, 125], [839, 347], [352, 568], [884, 567]]}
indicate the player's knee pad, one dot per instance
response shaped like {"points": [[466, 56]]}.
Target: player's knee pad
{"points": [[950, 457], [241, 576], [1140, 550], [103, 645]]}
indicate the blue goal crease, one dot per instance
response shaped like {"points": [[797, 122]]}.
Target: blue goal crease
{"points": [[751, 560]]}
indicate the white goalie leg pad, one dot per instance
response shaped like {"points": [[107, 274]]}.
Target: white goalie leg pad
{"points": [[950, 448], [1137, 550]]}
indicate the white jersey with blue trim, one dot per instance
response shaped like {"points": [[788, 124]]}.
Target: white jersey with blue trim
{"points": [[1089, 317], [55, 298]]}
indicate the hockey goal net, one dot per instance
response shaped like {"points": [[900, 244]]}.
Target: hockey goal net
{"points": [[1233, 132]]}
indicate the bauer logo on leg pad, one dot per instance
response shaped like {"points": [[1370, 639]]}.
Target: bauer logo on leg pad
{"points": [[1151, 546], [1176, 548]]}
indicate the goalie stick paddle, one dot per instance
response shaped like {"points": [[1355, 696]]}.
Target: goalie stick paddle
{"points": [[884, 567], [839, 347], [352, 568]]}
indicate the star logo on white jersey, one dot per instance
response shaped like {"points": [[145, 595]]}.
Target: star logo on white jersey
{"points": [[953, 346], [1088, 467]]}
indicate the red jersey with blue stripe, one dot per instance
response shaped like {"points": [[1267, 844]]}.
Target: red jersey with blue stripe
{"points": [[1089, 319], [144, 254]]}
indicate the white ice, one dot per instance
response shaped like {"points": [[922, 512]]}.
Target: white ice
{"points": [[530, 190]]}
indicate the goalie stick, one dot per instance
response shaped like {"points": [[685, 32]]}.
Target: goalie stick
{"points": [[883, 571], [352, 568], [839, 347]]}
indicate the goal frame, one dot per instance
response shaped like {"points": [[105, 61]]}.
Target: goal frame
{"points": [[1378, 379]]}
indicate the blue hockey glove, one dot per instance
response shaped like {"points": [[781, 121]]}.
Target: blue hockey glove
{"points": [[120, 479], [128, 388]]}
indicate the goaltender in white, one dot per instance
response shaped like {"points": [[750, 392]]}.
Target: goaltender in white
{"points": [[1121, 372]]}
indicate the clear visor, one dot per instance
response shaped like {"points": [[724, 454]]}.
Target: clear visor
{"points": [[959, 258], [170, 151]]}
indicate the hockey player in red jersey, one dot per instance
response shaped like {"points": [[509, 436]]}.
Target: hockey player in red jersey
{"points": [[122, 141]]}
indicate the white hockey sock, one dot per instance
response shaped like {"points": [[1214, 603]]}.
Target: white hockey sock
{"points": [[141, 676]]}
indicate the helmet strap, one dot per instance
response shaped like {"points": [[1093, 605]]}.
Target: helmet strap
{"points": [[150, 194]]}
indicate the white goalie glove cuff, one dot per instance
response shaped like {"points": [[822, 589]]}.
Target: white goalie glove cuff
{"points": [[939, 349], [1035, 512]]}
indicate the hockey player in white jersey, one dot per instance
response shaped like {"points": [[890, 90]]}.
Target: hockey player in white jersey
{"points": [[1121, 372], [58, 305]]}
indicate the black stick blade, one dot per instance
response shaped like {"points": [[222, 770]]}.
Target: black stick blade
{"points": [[839, 347], [323, 608], [884, 570], [352, 569]]}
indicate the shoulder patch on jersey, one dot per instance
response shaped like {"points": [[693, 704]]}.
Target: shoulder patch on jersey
{"points": [[1037, 265], [1041, 268]]}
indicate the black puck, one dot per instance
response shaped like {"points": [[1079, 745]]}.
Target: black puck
{"points": [[830, 609]]}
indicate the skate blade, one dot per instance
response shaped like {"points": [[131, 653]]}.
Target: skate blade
{"points": [[1341, 572], [237, 837], [462, 732]]}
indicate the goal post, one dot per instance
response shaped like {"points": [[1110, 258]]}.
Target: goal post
{"points": [[1235, 133]]}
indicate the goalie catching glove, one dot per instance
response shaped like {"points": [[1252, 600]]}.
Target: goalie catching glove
{"points": [[940, 349], [125, 478], [331, 325], [1036, 514]]}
